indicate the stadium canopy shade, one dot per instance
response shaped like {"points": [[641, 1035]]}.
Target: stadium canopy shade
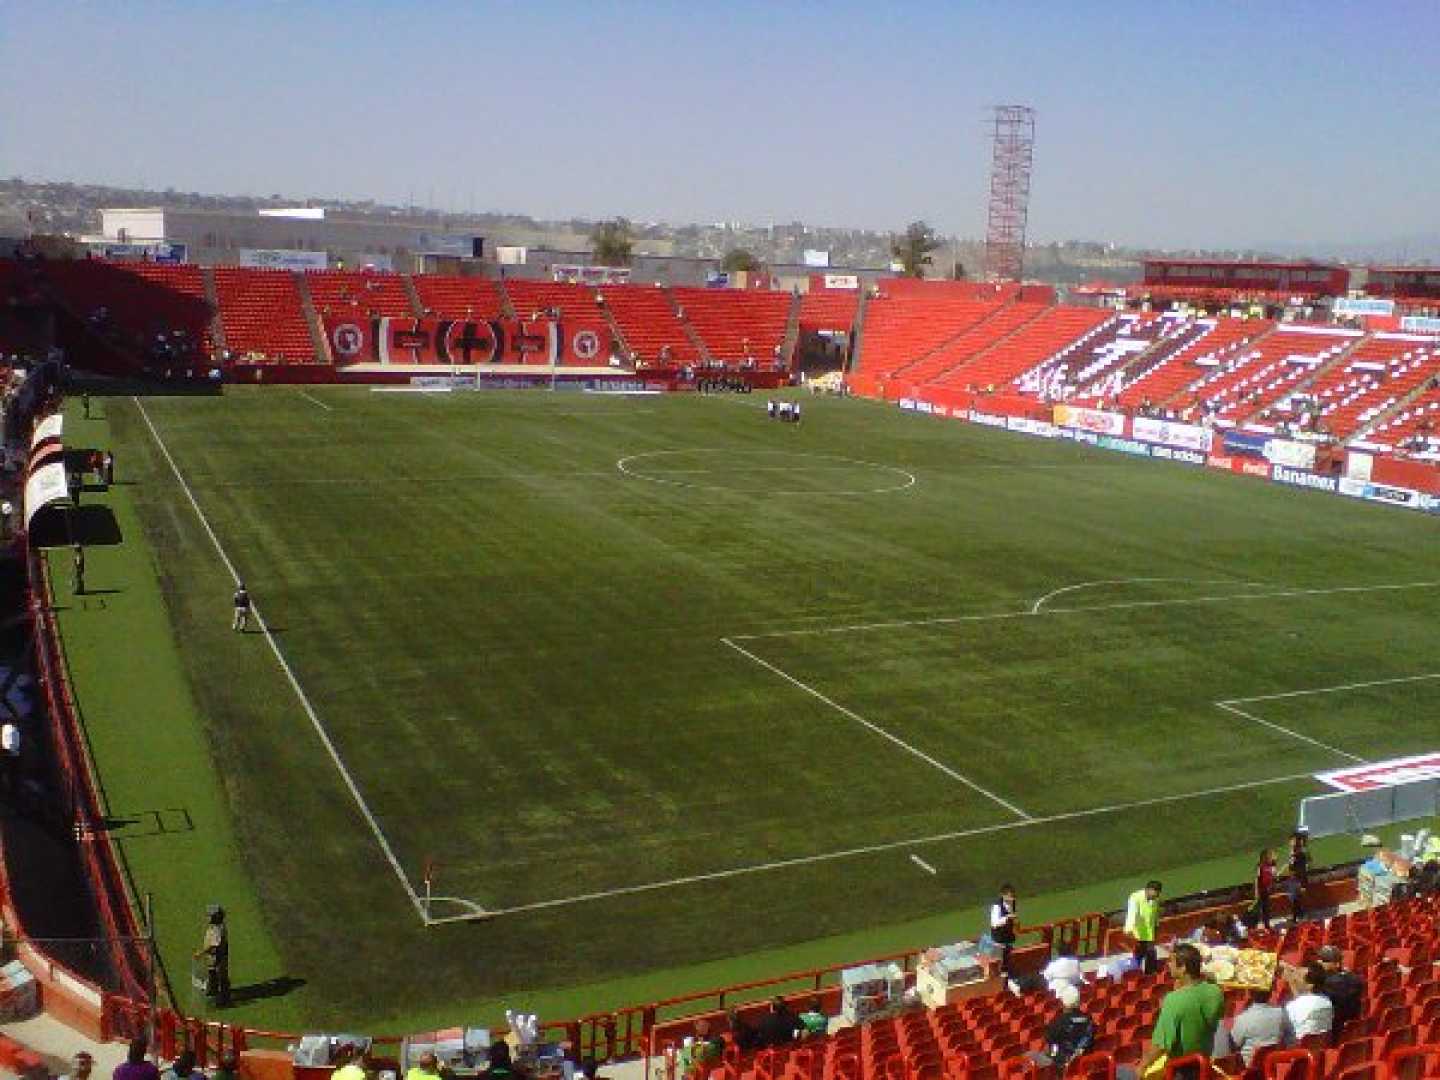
{"points": [[45, 489], [52, 427]]}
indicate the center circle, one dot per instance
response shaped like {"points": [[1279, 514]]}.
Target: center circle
{"points": [[765, 472]]}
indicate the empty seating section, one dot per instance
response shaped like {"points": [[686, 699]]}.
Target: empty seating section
{"points": [[898, 332], [1186, 357], [1036, 332], [1245, 379], [140, 299], [1092, 357], [961, 347], [1393, 948], [458, 297], [829, 310], [360, 294], [1416, 427], [736, 324], [1377, 375], [649, 324], [262, 314], [534, 297]]}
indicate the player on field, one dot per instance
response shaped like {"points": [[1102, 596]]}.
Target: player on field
{"points": [[242, 608]]}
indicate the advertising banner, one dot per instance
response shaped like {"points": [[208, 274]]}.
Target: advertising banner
{"points": [[1244, 466], [1244, 444], [988, 419], [1366, 306], [1043, 428], [464, 342], [1101, 423], [842, 281], [1166, 433], [1176, 453], [1298, 455], [1125, 446], [1358, 465], [1396, 496], [1301, 478], [1420, 324], [1383, 773], [283, 259]]}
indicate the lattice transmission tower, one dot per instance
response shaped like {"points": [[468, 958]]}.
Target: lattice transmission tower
{"points": [[1010, 165]]}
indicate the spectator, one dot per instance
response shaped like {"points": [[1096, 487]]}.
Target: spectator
{"points": [[9, 758], [1189, 1017], [81, 1066], [501, 1066], [1310, 1011], [1142, 921], [1297, 873], [348, 1063], [426, 1067], [136, 1066], [228, 1069], [1068, 1036], [1345, 989], [1264, 886], [704, 1050], [780, 1026], [814, 1020], [745, 1037], [1064, 970], [183, 1068], [1260, 1025], [1004, 916]]}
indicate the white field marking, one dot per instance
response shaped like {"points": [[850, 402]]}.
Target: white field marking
{"points": [[1331, 689], [922, 864], [623, 465], [872, 849], [1035, 608], [320, 731], [315, 401], [410, 389], [1287, 731], [473, 910], [895, 624], [878, 730]]}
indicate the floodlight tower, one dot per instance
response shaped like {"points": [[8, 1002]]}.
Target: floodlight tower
{"points": [[1012, 157]]}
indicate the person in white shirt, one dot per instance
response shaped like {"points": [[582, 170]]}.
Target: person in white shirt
{"points": [[1004, 921], [1309, 1011], [1064, 970]]}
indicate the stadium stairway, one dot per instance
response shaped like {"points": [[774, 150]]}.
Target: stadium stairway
{"points": [[950, 365], [1168, 344], [858, 328], [691, 334], [1236, 356], [407, 282], [217, 326], [1422, 389], [318, 339], [791, 340]]}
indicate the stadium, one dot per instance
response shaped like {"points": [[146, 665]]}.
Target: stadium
{"points": [[422, 641]]}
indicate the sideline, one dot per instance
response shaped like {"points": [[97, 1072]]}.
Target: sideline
{"points": [[320, 731], [315, 401]]}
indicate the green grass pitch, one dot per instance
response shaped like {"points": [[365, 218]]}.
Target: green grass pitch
{"points": [[665, 683]]}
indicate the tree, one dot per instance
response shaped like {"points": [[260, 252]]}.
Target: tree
{"points": [[612, 242], [912, 251], [739, 259]]}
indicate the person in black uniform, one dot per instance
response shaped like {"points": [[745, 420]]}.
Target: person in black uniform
{"points": [[1004, 921], [242, 608]]}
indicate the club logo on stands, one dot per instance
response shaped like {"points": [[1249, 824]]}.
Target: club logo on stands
{"points": [[587, 345], [349, 339]]}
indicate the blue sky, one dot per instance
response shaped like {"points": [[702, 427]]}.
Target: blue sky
{"points": [[1166, 123]]}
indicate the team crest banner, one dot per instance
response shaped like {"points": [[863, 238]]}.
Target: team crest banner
{"points": [[469, 342]]}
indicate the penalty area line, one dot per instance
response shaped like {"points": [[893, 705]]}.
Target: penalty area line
{"points": [[914, 751], [289, 672], [872, 849]]}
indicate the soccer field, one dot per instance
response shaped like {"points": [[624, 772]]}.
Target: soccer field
{"points": [[650, 681]]}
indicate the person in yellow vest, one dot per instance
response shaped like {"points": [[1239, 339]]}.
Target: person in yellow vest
{"points": [[350, 1063], [1142, 921]]}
